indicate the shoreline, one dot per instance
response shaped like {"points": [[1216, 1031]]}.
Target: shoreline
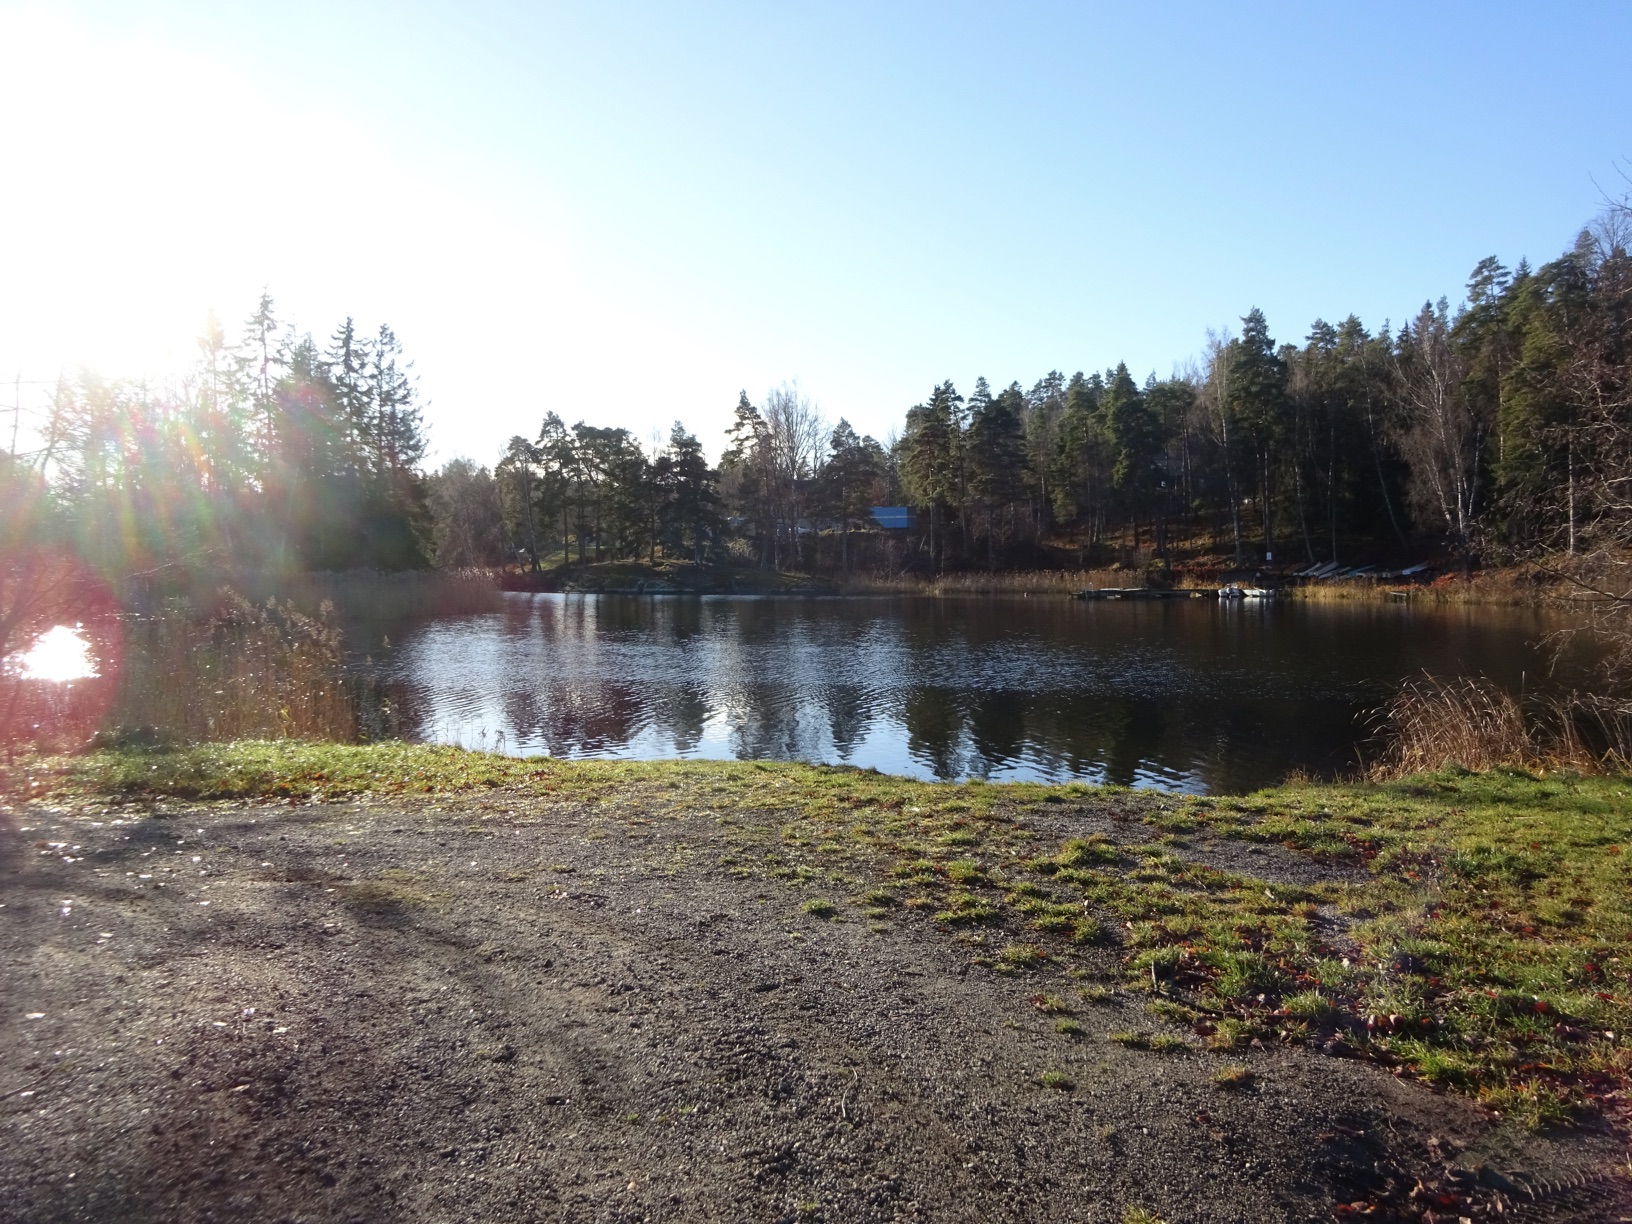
{"points": [[1504, 587]]}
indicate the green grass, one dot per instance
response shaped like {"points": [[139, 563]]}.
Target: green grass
{"points": [[1476, 938], [1158, 1043], [1234, 1078], [1023, 956]]}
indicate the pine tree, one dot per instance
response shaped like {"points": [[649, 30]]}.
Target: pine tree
{"points": [[694, 504], [1135, 436], [850, 480], [398, 523], [997, 450], [746, 475], [930, 459], [518, 499], [1257, 402]]}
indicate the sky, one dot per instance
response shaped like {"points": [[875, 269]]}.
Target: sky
{"points": [[628, 212]]}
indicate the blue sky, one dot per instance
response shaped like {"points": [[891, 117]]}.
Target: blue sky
{"points": [[627, 212]]}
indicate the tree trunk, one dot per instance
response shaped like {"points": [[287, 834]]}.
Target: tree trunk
{"points": [[532, 533]]}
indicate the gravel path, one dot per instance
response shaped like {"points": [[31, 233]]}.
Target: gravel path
{"points": [[499, 1008]]}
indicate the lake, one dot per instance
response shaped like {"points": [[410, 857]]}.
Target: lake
{"points": [[1193, 696]]}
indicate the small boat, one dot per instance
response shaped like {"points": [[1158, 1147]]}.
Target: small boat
{"points": [[1240, 592]]}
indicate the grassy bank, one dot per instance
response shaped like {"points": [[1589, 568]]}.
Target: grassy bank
{"points": [[1469, 930]]}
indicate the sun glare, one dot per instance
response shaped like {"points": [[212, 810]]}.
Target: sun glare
{"points": [[58, 655]]}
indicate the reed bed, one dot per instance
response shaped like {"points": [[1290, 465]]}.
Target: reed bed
{"points": [[261, 657], [353, 594], [1000, 582], [1432, 723], [1496, 587], [46, 717], [238, 670], [409, 595], [1360, 590]]}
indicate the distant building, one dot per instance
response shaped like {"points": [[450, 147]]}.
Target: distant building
{"points": [[893, 518]]}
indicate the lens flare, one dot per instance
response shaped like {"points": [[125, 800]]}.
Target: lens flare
{"points": [[58, 655]]}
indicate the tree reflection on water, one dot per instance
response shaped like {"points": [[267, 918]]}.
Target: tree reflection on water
{"points": [[1193, 696]]}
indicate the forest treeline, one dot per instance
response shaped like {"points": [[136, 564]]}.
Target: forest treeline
{"points": [[1496, 429], [274, 451]]}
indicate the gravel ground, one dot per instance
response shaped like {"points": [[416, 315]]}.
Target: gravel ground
{"points": [[503, 1008]]}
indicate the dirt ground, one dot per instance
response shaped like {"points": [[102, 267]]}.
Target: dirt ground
{"points": [[503, 1008]]}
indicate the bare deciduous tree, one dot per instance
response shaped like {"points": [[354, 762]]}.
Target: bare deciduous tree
{"points": [[796, 436], [1442, 431]]}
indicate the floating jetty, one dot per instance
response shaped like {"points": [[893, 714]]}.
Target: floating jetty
{"points": [[1227, 592], [1144, 593]]}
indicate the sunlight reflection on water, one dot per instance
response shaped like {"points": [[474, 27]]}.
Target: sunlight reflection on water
{"points": [[58, 655]]}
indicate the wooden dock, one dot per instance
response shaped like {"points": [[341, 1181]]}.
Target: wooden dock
{"points": [[1145, 593]]}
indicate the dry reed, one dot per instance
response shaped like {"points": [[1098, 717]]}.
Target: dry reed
{"points": [[998, 582], [1594, 727], [371, 594], [356, 594], [1507, 586], [242, 671], [1433, 723]]}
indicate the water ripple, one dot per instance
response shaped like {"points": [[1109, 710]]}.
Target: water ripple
{"points": [[1186, 697]]}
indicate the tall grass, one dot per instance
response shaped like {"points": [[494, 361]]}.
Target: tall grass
{"points": [[237, 670], [1518, 586], [1431, 723]]}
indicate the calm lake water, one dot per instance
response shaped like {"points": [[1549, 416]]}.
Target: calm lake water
{"points": [[1192, 695]]}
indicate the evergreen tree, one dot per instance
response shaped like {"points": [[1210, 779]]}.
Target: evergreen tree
{"points": [[998, 466], [930, 460], [693, 506], [396, 521], [1257, 402], [562, 484], [1078, 470], [746, 476], [1135, 436], [850, 481]]}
